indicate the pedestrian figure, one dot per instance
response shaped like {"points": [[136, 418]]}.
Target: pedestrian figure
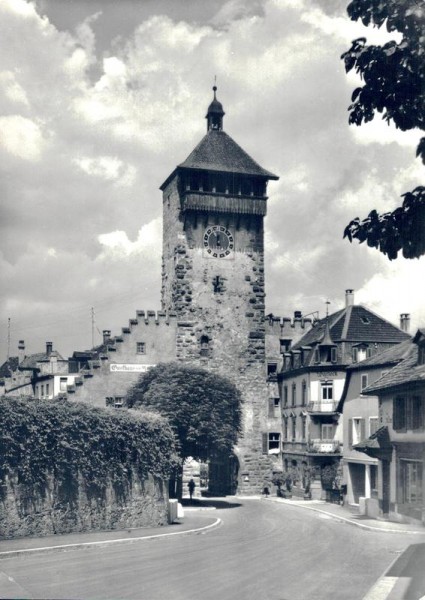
{"points": [[191, 486]]}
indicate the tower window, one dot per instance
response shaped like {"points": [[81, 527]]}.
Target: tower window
{"points": [[272, 369], [218, 284], [204, 346], [141, 348]]}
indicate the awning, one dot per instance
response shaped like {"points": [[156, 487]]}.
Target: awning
{"points": [[378, 445]]}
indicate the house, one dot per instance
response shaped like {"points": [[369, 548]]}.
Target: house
{"points": [[312, 381], [399, 443], [43, 375], [360, 417]]}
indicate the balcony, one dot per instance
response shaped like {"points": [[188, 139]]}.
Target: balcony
{"points": [[323, 447], [322, 407]]}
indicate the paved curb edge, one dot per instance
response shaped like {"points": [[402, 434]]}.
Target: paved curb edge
{"points": [[63, 547], [346, 520]]}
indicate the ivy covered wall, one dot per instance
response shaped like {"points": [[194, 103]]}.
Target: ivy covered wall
{"points": [[72, 467]]}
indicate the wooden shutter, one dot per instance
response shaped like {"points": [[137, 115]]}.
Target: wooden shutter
{"points": [[399, 413], [271, 407], [350, 433], [362, 429]]}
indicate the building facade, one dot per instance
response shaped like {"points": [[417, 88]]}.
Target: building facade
{"points": [[311, 385], [399, 443], [360, 416]]}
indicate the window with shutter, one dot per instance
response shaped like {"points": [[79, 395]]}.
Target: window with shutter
{"points": [[362, 429], [417, 413], [399, 414], [350, 433]]}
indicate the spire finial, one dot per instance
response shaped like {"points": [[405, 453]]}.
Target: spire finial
{"points": [[215, 112]]}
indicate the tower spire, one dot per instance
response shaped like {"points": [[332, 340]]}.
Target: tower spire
{"points": [[215, 112]]}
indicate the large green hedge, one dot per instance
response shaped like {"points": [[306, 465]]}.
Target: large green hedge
{"points": [[77, 442]]}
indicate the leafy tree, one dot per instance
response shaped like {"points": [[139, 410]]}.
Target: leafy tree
{"points": [[203, 408], [394, 84]]}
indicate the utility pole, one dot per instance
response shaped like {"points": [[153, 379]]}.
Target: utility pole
{"points": [[92, 327]]}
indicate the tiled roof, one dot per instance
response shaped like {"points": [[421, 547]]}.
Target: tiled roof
{"points": [[406, 372], [218, 152], [354, 324], [9, 366], [390, 356], [30, 362], [316, 333]]}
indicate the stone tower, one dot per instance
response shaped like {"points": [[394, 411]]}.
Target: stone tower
{"points": [[214, 205]]}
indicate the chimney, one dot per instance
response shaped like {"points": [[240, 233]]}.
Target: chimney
{"points": [[106, 335], [49, 348], [21, 351], [405, 322], [349, 298]]}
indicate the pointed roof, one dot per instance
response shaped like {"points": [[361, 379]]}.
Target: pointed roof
{"points": [[327, 339], [353, 323], [218, 152]]}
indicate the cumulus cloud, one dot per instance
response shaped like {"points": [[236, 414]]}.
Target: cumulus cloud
{"points": [[87, 140], [21, 137]]}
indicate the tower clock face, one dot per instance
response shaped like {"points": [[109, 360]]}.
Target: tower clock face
{"points": [[218, 241]]}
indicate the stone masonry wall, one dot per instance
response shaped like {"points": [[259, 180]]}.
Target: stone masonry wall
{"points": [[222, 301], [26, 513]]}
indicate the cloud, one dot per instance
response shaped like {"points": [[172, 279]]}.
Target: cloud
{"points": [[87, 140], [117, 244], [21, 137]]}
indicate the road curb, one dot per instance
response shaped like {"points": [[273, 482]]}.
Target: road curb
{"points": [[65, 547], [346, 520]]}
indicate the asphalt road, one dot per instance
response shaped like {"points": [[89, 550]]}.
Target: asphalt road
{"points": [[261, 551]]}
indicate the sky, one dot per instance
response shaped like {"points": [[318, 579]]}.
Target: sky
{"points": [[101, 99]]}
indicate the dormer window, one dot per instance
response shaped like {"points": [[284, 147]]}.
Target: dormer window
{"points": [[361, 352], [365, 320]]}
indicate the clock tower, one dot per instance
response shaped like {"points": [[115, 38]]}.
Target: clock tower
{"points": [[214, 204]]}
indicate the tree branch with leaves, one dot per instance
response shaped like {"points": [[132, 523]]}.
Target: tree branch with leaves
{"points": [[393, 84]]}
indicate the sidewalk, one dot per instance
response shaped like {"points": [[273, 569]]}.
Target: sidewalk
{"points": [[191, 523], [343, 513]]}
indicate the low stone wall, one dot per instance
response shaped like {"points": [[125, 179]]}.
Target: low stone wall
{"points": [[26, 512]]}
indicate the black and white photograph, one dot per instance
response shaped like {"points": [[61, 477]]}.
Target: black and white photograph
{"points": [[212, 315]]}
